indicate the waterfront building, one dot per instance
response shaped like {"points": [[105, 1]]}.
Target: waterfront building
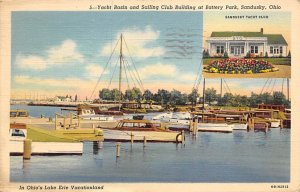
{"points": [[62, 99], [238, 44]]}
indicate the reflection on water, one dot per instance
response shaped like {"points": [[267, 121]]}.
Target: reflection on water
{"points": [[210, 157]]}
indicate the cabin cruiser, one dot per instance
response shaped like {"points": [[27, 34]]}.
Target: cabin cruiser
{"points": [[138, 130], [43, 142], [89, 114]]}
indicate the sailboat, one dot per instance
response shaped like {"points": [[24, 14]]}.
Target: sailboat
{"points": [[128, 71]]}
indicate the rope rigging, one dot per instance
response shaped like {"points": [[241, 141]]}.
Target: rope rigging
{"points": [[98, 81], [131, 73]]}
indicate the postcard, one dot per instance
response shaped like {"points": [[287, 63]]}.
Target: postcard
{"points": [[146, 95]]}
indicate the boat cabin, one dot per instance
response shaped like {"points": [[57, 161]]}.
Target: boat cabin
{"points": [[269, 106], [17, 131], [267, 114], [19, 113], [139, 125]]}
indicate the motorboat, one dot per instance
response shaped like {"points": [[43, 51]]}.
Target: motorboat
{"points": [[89, 114], [43, 142], [139, 130]]}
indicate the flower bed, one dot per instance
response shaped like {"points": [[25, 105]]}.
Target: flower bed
{"points": [[240, 66]]}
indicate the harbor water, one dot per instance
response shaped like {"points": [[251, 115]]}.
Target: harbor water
{"points": [[240, 156]]}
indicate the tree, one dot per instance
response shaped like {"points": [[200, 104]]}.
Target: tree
{"points": [[115, 95], [163, 96], [210, 95], [265, 98], [279, 98], [148, 95], [184, 99], [192, 97], [266, 55], [204, 54], [225, 54], [176, 98], [76, 98], [228, 99], [289, 54], [133, 94], [247, 55], [105, 94]]}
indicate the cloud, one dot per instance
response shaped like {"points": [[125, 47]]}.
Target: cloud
{"points": [[138, 42], [65, 53], [94, 70], [31, 62], [159, 69]]}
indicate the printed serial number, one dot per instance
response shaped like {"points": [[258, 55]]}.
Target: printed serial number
{"points": [[279, 186]]}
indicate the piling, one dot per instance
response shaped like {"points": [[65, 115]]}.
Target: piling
{"points": [[195, 130], [27, 149], [182, 136], [118, 149], [55, 121], [267, 127], [71, 118], [97, 144], [145, 141], [131, 138], [281, 123], [191, 125], [251, 123], [78, 121], [64, 122]]}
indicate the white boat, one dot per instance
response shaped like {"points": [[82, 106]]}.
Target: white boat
{"points": [[178, 120], [89, 114], [162, 117], [18, 133], [238, 120], [215, 127], [240, 126], [275, 123], [140, 129]]}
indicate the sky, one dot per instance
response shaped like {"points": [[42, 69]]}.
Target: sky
{"points": [[65, 53]]}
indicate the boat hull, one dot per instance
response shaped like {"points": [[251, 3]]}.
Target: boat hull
{"points": [[240, 126], [275, 123], [138, 136], [215, 127], [204, 127], [47, 148]]}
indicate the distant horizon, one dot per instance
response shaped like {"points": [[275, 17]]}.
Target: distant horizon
{"points": [[242, 87]]}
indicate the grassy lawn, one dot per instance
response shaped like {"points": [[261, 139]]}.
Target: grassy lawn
{"points": [[275, 61]]}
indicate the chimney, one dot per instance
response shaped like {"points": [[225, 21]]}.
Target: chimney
{"points": [[262, 30]]}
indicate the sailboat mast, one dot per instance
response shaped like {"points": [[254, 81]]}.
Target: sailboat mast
{"points": [[120, 74], [203, 100], [288, 89]]}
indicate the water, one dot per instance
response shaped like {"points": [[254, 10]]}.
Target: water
{"points": [[211, 157], [37, 111]]}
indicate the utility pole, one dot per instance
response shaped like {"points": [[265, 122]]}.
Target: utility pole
{"points": [[221, 88], [203, 100]]}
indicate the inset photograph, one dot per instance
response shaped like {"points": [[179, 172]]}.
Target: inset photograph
{"points": [[246, 45]]}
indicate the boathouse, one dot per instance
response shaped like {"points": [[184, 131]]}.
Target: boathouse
{"points": [[238, 44]]}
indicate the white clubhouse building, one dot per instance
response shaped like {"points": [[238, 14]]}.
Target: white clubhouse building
{"points": [[237, 44]]}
